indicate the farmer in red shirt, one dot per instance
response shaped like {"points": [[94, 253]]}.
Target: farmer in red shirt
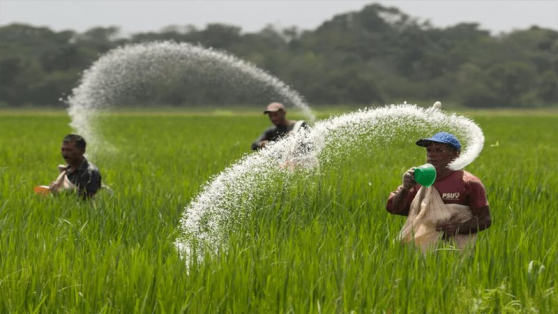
{"points": [[455, 187]]}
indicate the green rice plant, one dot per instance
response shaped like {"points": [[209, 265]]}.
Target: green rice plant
{"points": [[319, 243]]}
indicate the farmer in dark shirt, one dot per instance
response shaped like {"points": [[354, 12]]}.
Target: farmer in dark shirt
{"points": [[282, 126], [79, 173]]}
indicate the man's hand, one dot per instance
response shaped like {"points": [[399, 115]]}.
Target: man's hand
{"points": [[480, 221], [409, 179], [263, 143], [449, 229], [54, 187], [398, 203]]}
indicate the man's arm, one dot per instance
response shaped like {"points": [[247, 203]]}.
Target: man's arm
{"points": [[398, 203], [479, 207], [481, 220], [90, 183], [262, 140], [56, 185]]}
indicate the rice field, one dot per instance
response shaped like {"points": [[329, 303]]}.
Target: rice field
{"points": [[316, 244]]}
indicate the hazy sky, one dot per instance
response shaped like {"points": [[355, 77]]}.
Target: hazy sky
{"points": [[148, 15]]}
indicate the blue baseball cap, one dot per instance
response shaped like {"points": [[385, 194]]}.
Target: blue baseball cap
{"points": [[442, 137]]}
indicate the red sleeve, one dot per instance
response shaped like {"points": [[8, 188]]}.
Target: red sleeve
{"points": [[410, 197], [477, 195]]}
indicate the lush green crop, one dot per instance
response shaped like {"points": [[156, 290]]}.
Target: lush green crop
{"points": [[317, 244]]}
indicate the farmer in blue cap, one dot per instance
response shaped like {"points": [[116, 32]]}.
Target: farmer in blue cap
{"points": [[456, 202]]}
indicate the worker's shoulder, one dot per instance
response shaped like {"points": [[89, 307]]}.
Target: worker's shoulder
{"points": [[470, 178], [270, 129], [300, 124], [91, 167]]}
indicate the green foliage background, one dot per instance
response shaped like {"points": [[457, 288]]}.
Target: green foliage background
{"points": [[322, 244], [374, 56]]}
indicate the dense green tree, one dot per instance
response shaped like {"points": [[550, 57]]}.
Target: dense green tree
{"points": [[547, 87], [375, 55]]}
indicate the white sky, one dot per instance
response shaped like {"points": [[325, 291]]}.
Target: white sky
{"points": [[134, 16]]}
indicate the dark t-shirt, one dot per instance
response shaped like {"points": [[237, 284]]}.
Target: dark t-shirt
{"points": [[275, 133], [87, 178], [460, 187]]}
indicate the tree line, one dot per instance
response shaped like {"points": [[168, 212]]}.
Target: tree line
{"points": [[373, 56]]}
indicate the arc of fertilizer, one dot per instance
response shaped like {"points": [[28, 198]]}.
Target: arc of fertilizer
{"points": [[127, 71], [206, 218]]}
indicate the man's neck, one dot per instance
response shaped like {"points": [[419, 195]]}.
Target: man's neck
{"points": [[444, 173], [75, 166], [285, 123]]}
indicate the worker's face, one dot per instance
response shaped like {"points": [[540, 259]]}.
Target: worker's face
{"points": [[440, 155], [277, 117], [71, 153]]}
